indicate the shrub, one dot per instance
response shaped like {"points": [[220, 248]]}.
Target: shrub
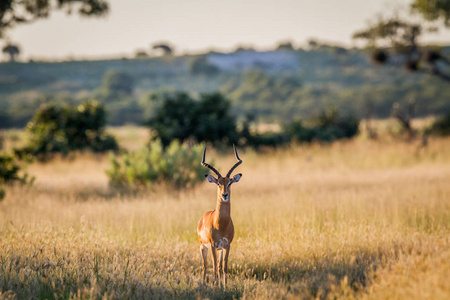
{"points": [[9, 173], [201, 66], [178, 164], [181, 118], [441, 126], [327, 127], [118, 82], [63, 129]]}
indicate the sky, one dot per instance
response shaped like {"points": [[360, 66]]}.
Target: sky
{"points": [[194, 26]]}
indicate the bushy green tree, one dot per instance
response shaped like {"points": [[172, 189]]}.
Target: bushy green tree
{"points": [[433, 10], [165, 48], [286, 46], [441, 126], [12, 51], [56, 129], [181, 117], [397, 36], [10, 173], [263, 94], [328, 126], [116, 93], [177, 165], [201, 66], [118, 82]]}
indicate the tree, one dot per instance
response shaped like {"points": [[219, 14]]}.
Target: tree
{"points": [[118, 82], [12, 51], [56, 129], [181, 117], [328, 126], [441, 126], [286, 46], [201, 66], [140, 54], [165, 48], [398, 37], [405, 118], [10, 170], [433, 10], [14, 12]]}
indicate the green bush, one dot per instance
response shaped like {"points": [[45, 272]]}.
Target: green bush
{"points": [[201, 66], [327, 127], [63, 129], [178, 165], [207, 119], [441, 126], [10, 173], [118, 82]]}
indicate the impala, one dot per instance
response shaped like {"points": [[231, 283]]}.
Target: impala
{"points": [[215, 229]]}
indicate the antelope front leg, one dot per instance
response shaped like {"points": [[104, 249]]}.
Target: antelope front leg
{"points": [[221, 267], [214, 257], [225, 267], [204, 253]]}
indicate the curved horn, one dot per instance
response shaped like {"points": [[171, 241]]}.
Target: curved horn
{"points": [[236, 164], [209, 166]]}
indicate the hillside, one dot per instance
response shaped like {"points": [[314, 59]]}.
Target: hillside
{"points": [[273, 85]]}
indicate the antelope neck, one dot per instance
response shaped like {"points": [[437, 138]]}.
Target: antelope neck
{"points": [[222, 216]]}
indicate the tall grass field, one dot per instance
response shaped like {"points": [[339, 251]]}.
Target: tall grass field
{"points": [[358, 219]]}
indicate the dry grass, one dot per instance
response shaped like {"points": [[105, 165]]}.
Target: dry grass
{"points": [[358, 219]]}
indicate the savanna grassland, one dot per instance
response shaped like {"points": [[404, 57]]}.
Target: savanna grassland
{"points": [[358, 219]]}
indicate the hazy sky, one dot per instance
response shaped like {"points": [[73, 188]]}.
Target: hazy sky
{"points": [[198, 25]]}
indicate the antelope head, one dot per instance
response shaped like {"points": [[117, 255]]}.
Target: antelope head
{"points": [[223, 183]]}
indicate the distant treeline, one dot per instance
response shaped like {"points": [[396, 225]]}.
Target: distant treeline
{"points": [[180, 118], [318, 79]]}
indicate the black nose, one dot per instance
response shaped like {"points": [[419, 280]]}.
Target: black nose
{"points": [[225, 195]]}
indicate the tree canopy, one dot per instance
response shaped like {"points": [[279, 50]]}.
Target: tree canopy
{"points": [[118, 82], [14, 12], [56, 129], [165, 48], [12, 51], [398, 36], [181, 117], [433, 10]]}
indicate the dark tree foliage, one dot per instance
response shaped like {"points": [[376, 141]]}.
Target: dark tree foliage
{"points": [[395, 36], [181, 117], [14, 12], [327, 127], [201, 66], [118, 82], [286, 46], [165, 48], [12, 51], [116, 93], [63, 129], [10, 170], [433, 10], [441, 126]]}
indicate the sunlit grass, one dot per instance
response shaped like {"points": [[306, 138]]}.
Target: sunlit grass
{"points": [[357, 219]]}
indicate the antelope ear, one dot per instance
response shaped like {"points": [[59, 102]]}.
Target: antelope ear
{"points": [[211, 179], [236, 177]]}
